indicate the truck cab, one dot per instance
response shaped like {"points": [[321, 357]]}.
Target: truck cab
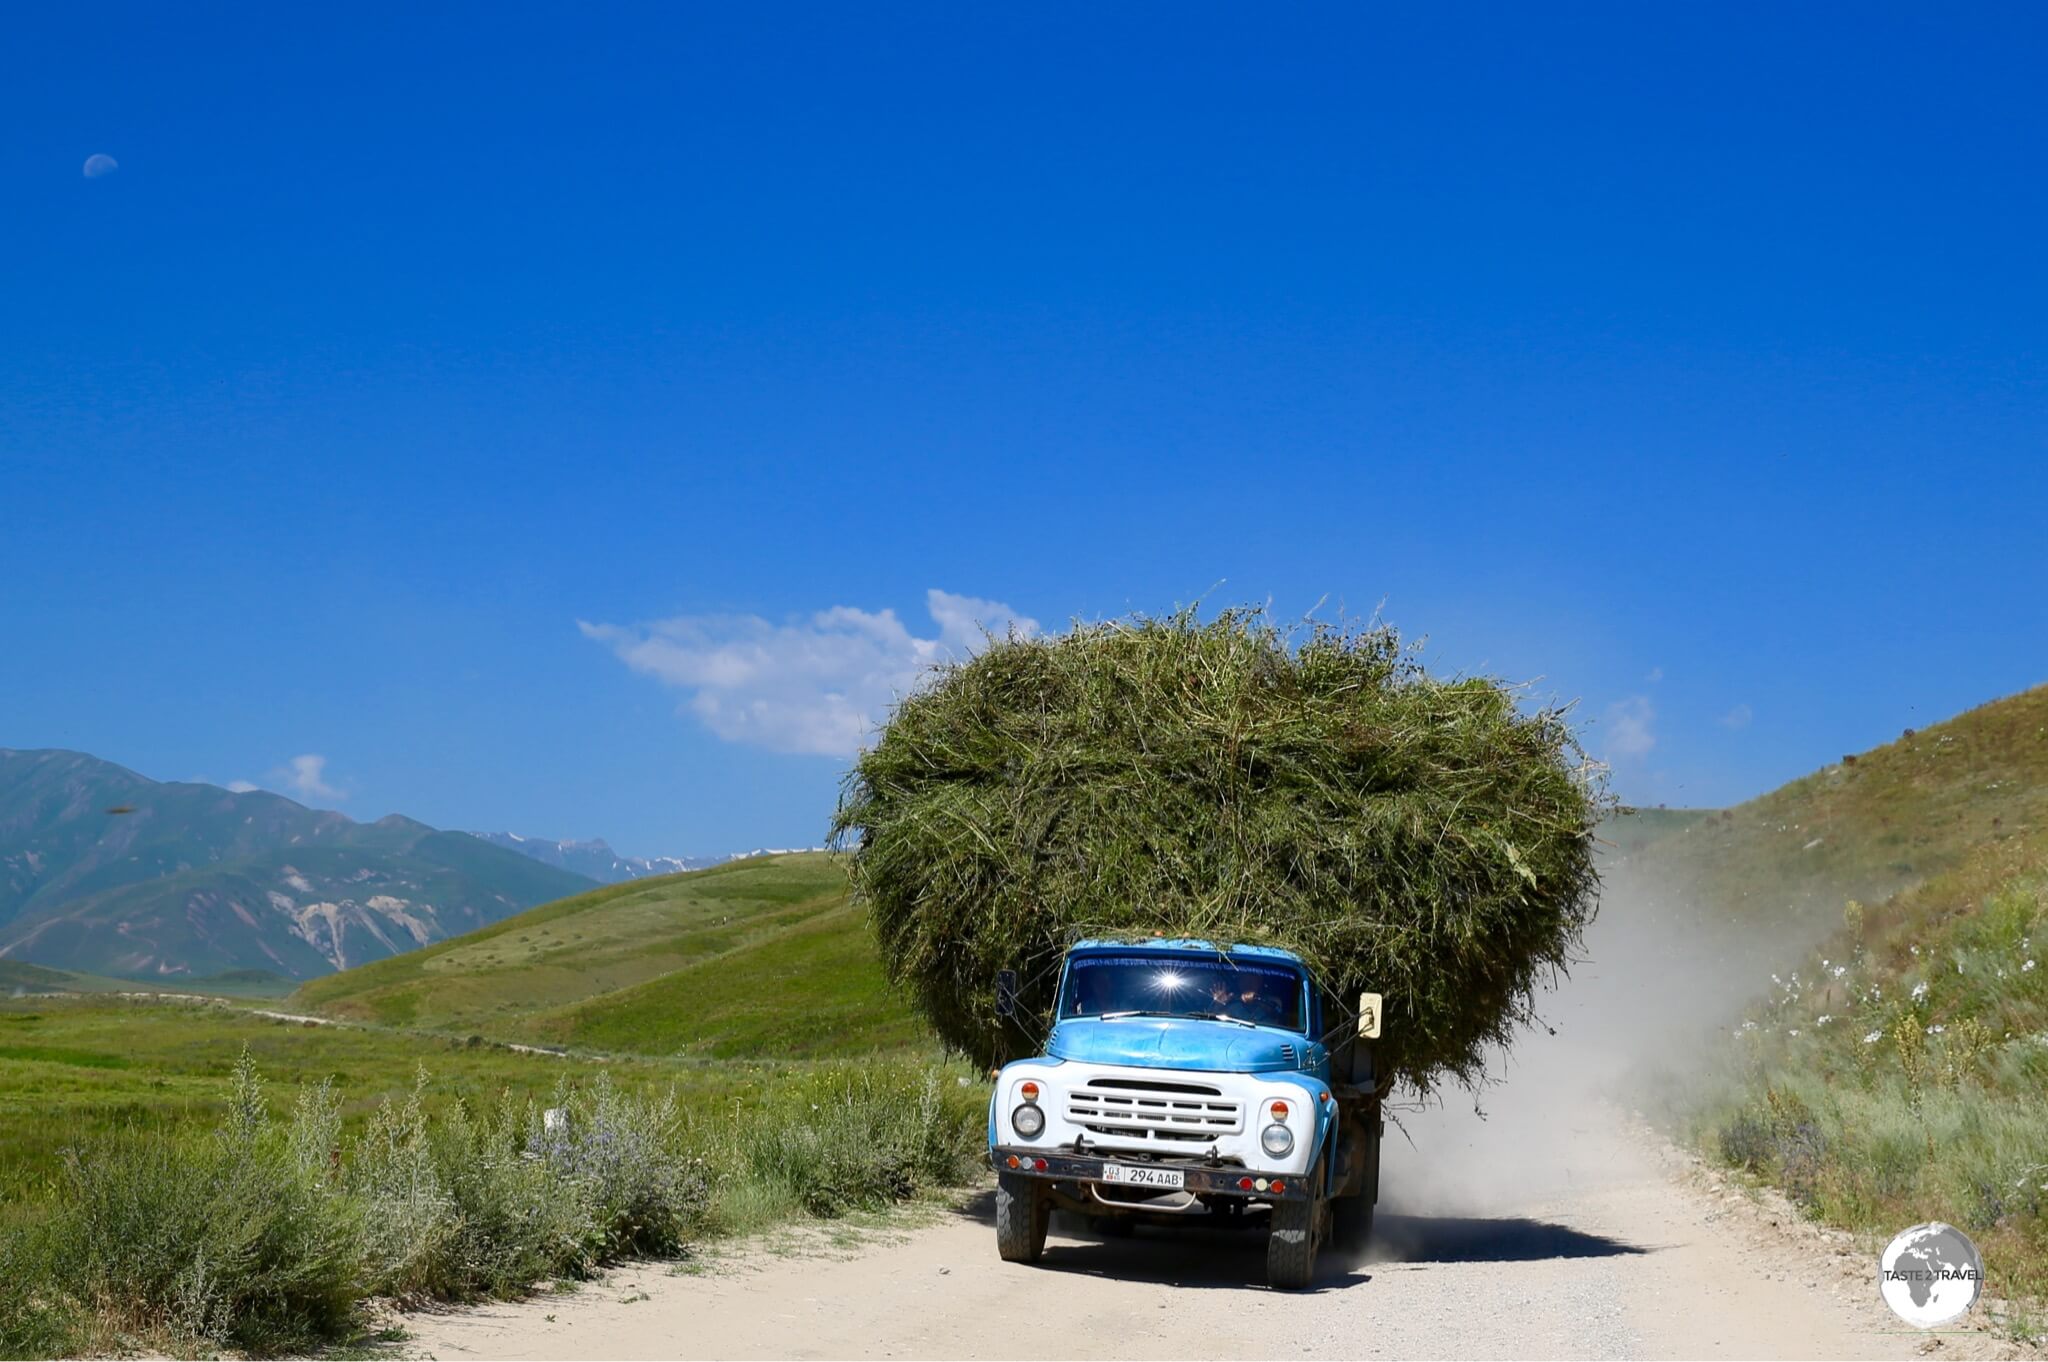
{"points": [[1188, 1082]]}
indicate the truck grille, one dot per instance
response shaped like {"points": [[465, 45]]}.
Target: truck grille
{"points": [[1136, 1109]]}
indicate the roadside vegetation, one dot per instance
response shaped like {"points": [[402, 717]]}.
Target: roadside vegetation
{"points": [[268, 1228], [1899, 1073]]}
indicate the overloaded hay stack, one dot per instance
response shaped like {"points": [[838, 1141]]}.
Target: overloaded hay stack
{"points": [[1420, 838]]}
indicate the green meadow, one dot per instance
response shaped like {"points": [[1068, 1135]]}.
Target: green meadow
{"points": [[724, 1040]]}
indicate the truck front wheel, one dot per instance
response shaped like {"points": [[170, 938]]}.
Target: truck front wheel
{"points": [[1023, 1210], [1291, 1244]]}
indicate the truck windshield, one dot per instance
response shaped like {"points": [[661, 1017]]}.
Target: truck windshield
{"points": [[1182, 986]]}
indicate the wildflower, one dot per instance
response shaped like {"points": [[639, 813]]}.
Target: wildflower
{"points": [[1749, 1026], [1936, 1029], [1873, 1037], [1823, 1019], [2026, 967], [1919, 990], [1839, 970]]}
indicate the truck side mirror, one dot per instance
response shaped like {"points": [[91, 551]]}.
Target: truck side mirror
{"points": [[1006, 993], [1368, 1016]]}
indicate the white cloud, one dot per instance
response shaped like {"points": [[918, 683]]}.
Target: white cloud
{"points": [[1737, 717], [1629, 728], [241, 786], [306, 776], [1656, 674], [99, 164], [816, 685]]}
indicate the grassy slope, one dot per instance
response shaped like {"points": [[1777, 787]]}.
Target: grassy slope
{"points": [[1870, 826], [760, 957], [1897, 1074], [1629, 831], [1901, 1074]]}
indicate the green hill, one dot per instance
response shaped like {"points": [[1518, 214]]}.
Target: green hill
{"points": [[1897, 1073], [104, 871], [1629, 830], [763, 956], [1865, 827]]}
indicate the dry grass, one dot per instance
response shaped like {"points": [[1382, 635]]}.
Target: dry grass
{"points": [[1419, 837]]}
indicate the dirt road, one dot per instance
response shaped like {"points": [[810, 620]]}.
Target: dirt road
{"points": [[1611, 1251]]}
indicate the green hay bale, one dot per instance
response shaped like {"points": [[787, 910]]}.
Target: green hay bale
{"points": [[1415, 837]]}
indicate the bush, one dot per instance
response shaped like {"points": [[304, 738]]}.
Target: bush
{"points": [[232, 1238], [36, 1318], [623, 1154], [854, 1140], [486, 1204], [1416, 837]]}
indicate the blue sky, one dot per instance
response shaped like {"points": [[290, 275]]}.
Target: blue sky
{"points": [[487, 403]]}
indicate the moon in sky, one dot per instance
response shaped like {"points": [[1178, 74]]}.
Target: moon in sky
{"points": [[98, 164]]}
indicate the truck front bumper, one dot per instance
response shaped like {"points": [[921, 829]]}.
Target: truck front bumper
{"points": [[1055, 1165]]}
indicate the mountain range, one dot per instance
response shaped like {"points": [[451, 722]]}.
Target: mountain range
{"points": [[595, 857], [108, 872]]}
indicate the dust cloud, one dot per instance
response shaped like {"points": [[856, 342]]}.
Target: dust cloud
{"points": [[1664, 975]]}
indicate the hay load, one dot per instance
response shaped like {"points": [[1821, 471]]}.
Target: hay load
{"points": [[1417, 837]]}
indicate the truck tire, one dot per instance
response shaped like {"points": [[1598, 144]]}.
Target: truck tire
{"points": [[1023, 1211], [1291, 1245]]}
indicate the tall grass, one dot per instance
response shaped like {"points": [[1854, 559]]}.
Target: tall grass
{"points": [[267, 1236], [850, 1140]]}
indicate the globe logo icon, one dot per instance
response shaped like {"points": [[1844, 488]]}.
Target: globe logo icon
{"points": [[1930, 1274]]}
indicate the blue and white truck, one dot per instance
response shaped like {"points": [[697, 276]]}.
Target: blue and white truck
{"points": [[1189, 1082]]}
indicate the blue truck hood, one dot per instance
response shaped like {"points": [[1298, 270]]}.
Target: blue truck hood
{"points": [[1177, 1043]]}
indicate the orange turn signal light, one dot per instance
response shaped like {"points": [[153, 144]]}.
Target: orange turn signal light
{"points": [[1279, 1111], [1028, 1091]]}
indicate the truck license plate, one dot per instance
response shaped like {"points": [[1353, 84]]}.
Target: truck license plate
{"points": [[1170, 1178]]}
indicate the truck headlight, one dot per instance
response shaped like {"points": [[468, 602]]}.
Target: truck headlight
{"points": [[1276, 1140], [1029, 1121]]}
